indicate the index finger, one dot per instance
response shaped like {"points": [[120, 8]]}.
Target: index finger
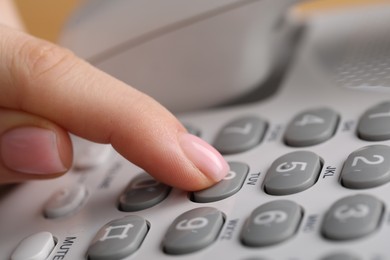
{"points": [[43, 79]]}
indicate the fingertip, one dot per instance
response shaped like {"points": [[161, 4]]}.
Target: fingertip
{"points": [[190, 164], [205, 157]]}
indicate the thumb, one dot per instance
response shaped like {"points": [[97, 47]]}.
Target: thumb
{"points": [[31, 147]]}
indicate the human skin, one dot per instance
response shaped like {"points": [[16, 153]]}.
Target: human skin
{"points": [[47, 92]]}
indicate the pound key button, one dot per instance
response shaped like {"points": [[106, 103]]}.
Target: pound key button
{"points": [[118, 239]]}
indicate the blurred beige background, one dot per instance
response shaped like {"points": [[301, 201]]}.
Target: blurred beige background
{"points": [[45, 18]]}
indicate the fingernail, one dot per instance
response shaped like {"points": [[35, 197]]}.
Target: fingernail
{"points": [[204, 156], [31, 150]]}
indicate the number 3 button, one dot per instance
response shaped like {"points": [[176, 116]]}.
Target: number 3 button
{"points": [[352, 217]]}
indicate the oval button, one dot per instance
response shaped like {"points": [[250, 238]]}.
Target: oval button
{"points": [[352, 217], [118, 239], [240, 135], [65, 201], [271, 223], [311, 127], [374, 125], [193, 230], [143, 192], [230, 185], [367, 167], [35, 247], [292, 173]]}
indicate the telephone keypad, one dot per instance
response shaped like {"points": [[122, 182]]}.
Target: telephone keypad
{"points": [[267, 224]]}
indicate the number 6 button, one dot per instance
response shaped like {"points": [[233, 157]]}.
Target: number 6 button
{"points": [[367, 167], [193, 230], [271, 223]]}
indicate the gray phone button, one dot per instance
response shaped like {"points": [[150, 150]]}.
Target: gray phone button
{"points": [[118, 239], [352, 217], [193, 230], [230, 185], [65, 201], [271, 223], [367, 167], [142, 192], [240, 135], [341, 256], [374, 125], [292, 173], [311, 127]]}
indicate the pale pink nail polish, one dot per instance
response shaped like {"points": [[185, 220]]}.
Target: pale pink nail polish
{"points": [[31, 150], [204, 156]]}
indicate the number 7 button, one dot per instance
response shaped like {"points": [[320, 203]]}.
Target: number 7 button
{"points": [[240, 135]]}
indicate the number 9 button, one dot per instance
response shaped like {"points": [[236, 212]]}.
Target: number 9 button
{"points": [[193, 230]]}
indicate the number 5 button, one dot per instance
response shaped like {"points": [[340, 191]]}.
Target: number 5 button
{"points": [[292, 173], [367, 167]]}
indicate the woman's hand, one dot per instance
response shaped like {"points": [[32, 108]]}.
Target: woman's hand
{"points": [[46, 92]]}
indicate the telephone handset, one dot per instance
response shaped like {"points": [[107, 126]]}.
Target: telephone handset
{"points": [[186, 54]]}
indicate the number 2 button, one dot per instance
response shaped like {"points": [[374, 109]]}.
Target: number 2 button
{"points": [[367, 167]]}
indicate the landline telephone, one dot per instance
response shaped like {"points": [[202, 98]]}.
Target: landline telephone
{"points": [[310, 164]]}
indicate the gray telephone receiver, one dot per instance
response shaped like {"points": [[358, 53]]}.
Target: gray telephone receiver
{"points": [[187, 54]]}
